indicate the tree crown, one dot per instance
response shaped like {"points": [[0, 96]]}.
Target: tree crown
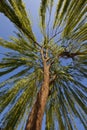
{"points": [[64, 48]]}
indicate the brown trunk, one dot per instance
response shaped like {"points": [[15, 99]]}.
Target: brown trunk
{"points": [[35, 119]]}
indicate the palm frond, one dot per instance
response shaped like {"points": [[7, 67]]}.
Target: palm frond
{"points": [[61, 9], [74, 16], [22, 54], [19, 96], [43, 8], [17, 14], [58, 8], [18, 108]]}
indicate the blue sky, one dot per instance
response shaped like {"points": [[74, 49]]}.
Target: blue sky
{"points": [[7, 29]]}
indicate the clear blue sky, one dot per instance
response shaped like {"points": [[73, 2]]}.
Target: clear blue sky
{"points": [[7, 29]]}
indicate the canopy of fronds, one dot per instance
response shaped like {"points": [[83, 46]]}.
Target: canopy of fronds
{"points": [[65, 43]]}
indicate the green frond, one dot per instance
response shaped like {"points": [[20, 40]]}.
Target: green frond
{"points": [[78, 98], [43, 7], [56, 106], [17, 14], [61, 10], [28, 96], [59, 118], [81, 33], [65, 104], [9, 64], [72, 103], [6, 98], [14, 78], [74, 16], [58, 8], [22, 54], [18, 97], [20, 45], [50, 118]]}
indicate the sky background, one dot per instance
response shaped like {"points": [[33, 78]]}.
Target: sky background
{"points": [[7, 29]]}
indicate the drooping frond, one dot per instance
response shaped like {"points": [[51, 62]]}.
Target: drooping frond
{"points": [[75, 14], [60, 11], [50, 119], [67, 102], [15, 11], [45, 14], [69, 14], [16, 96], [17, 99], [22, 55], [81, 34], [43, 7]]}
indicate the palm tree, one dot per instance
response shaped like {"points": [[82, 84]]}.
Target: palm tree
{"points": [[45, 78]]}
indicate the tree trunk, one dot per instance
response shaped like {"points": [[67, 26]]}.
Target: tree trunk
{"points": [[35, 119]]}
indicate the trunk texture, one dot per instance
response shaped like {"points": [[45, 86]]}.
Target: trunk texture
{"points": [[35, 119]]}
